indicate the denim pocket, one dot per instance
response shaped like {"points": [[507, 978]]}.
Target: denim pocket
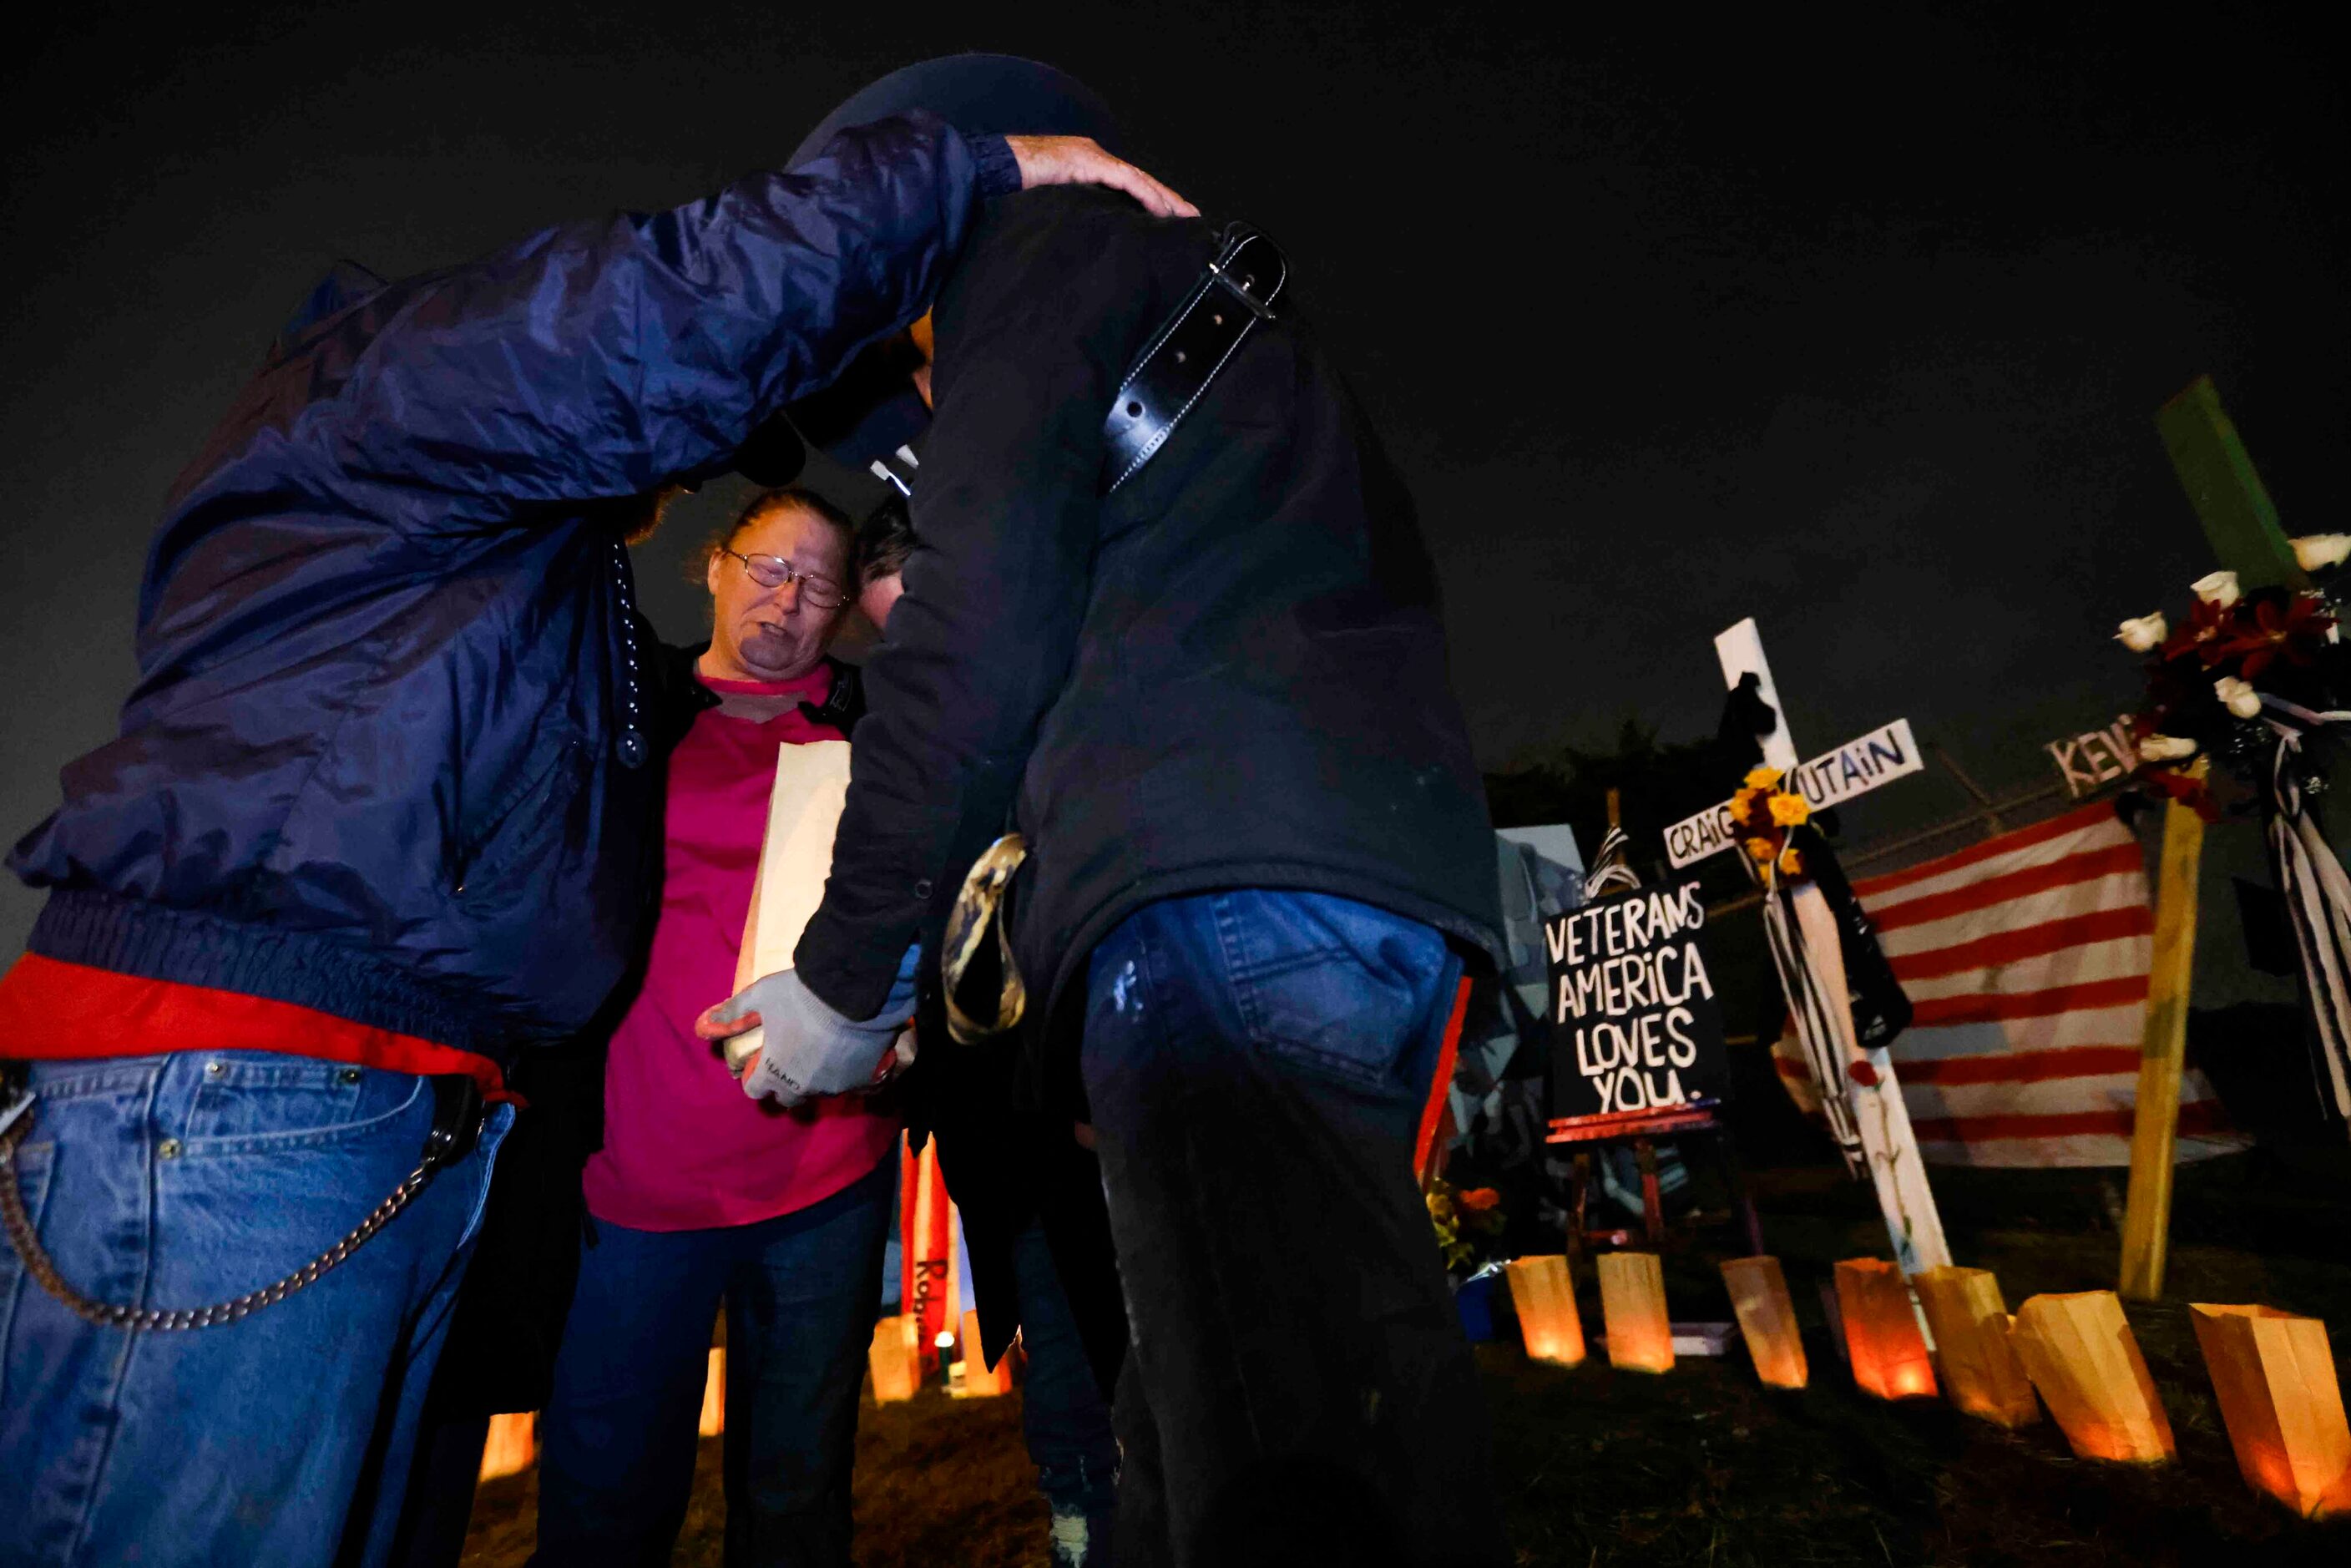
{"points": [[31, 1175], [1341, 989], [248, 1107]]}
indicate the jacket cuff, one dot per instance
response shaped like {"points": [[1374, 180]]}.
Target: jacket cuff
{"points": [[999, 172], [835, 959]]}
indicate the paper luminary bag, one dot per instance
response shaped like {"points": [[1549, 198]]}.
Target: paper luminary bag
{"points": [[1767, 1320], [796, 856], [512, 1446], [926, 1228], [1980, 1373], [1881, 1329], [2079, 1352], [1633, 1311], [712, 1422], [1543, 1296], [2274, 1374], [896, 1358], [978, 1380]]}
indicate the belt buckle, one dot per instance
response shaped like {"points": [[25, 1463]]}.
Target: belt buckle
{"points": [[1242, 288]]}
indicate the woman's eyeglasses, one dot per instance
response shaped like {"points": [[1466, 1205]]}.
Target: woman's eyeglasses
{"points": [[774, 571]]}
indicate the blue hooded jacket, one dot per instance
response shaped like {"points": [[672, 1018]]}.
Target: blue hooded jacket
{"points": [[379, 759]]}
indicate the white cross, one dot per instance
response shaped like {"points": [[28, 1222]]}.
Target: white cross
{"points": [[1879, 1114]]}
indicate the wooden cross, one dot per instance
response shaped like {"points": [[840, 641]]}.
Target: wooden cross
{"points": [[2243, 527], [1880, 1116]]}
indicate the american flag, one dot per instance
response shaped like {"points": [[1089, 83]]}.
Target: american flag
{"points": [[2026, 958]]}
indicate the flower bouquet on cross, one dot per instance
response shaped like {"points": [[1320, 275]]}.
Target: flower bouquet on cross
{"points": [[2257, 680], [1767, 814], [2245, 679]]}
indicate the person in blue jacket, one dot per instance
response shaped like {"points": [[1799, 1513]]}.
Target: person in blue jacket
{"points": [[379, 819]]}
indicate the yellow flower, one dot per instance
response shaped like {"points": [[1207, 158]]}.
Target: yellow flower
{"points": [[1790, 863], [1788, 811], [1762, 778], [1742, 798], [1761, 851]]}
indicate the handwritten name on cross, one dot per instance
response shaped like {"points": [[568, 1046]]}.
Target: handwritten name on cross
{"points": [[1859, 765]]}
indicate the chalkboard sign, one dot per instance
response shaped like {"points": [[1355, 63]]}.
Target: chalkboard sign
{"points": [[1636, 1025]]}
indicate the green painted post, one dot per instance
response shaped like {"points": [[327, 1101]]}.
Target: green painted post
{"points": [[2238, 516], [2243, 527]]}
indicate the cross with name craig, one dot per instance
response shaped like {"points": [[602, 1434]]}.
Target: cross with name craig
{"points": [[1863, 1077], [1859, 765]]}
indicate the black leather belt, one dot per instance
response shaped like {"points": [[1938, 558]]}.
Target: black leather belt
{"points": [[1236, 297]]}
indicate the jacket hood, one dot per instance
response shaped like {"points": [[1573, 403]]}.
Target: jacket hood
{"points": [[872, 410]]}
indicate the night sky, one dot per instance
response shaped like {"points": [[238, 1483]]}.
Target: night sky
{"points": [[1855, 323]]}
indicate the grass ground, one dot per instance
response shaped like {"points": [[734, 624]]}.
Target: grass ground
{"points": [[1703, 1465]]}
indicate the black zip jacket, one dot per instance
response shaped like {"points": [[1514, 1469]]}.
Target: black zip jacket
{"points": [[1229, 673]]}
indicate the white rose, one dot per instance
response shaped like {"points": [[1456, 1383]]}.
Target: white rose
{"points": [[2217, 588], [2165, 747], [2238, 696], [2316, 552], [2144, 633]]}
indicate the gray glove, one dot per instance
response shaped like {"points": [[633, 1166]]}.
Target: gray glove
{"points": [[809, 1050]]}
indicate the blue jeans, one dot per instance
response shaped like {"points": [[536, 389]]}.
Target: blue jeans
{"points": [[617, 1439], [1297, 1388], [184, 1180], [1063, 1414]]}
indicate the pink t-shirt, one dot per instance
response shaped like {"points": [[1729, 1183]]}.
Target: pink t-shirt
{"points": [[683, 1149]]}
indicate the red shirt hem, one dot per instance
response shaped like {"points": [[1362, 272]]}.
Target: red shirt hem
{"points": [[52, 1010]]}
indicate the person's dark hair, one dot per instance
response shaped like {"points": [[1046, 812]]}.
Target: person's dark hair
{"points": [[760, 505], [885, 539]]}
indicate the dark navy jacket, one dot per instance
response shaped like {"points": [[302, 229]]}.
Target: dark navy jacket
{"points": [[374, 762]]}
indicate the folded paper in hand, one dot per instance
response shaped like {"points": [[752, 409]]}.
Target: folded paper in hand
{"points": [[803, 813]]}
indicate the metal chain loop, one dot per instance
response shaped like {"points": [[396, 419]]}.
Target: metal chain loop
{"points": [[43, 1269]]}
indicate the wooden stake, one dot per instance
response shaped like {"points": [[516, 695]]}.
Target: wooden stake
{"points": [[2163, 1053]]}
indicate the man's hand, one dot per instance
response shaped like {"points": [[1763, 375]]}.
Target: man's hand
{"points": [[1080, 160], [809, 1050]]}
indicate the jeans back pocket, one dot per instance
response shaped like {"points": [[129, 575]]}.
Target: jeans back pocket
{"points": [[1341, 989]]}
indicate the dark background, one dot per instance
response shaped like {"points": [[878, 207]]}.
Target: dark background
{"points": [[1853, 321]]}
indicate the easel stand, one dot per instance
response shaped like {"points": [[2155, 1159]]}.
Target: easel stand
{"points": [[1642, 1129]]}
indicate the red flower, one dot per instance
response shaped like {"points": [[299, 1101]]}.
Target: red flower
{"points": [[2202, 634], [2293, 632]]}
